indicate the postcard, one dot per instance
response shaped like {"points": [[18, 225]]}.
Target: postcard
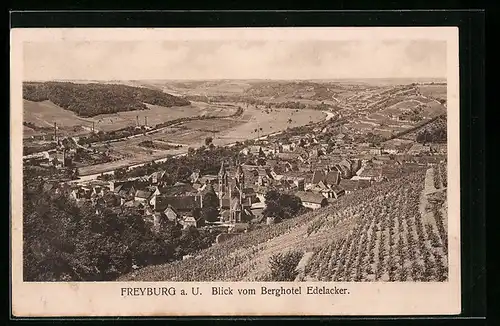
{"points": [[235, 171]]}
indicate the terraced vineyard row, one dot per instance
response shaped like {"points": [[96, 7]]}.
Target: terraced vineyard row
{"points": [[440, 176], [390, 242]]}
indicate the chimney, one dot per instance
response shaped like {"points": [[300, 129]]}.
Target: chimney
{"points": [[93, 129], [146, 121], [137, 120], [55, 131]]}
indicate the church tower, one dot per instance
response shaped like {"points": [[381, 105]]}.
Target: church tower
{"points": [[240, 186], [223, 184]]}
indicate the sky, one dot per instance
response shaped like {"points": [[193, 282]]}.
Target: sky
{"points": [[217, 59]]}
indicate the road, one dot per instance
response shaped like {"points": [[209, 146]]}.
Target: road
{"points": [[329, 115]]}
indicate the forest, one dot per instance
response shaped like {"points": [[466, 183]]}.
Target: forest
{"points": [[88, 100]]}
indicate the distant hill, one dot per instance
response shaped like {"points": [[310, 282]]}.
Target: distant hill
{"points": [[381, 233], [88, 100]]}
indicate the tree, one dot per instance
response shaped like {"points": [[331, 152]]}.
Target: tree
{"points": [[210, 210], [183, 173], [208, 141], [282, 206], [120, 173]]}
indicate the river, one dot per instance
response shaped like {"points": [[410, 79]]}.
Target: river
{"points": [[85, 178]]}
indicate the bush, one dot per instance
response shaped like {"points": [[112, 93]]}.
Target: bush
{"points": [[283, 266]]}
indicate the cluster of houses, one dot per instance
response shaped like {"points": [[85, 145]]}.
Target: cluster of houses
{"points": [[240, 191]]}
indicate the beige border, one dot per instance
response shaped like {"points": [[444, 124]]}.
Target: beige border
{"points": [[103, 299]]}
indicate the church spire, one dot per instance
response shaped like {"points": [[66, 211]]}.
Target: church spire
{"points": [[222, 171], [239, 170]]}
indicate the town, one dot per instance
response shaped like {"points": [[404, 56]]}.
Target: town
{"points": [[374, 137]]}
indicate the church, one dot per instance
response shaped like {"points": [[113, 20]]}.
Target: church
{"points": [[234, 205]]}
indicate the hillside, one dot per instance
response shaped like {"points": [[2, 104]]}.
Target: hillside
{"points": [[88, 100], [388, 232]]}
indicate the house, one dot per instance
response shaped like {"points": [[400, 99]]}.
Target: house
{"points": [[337, 191], [137, 205], [98, 191], [326, 192], [189, 221], [81, 194], [317, 177], [340, 136], [353, 185], [345, 171], [142, 196], [295, 182], [371, 174], [171, 214], [419, 149], [270, 220], [390, 148], [181, 204], [207, 178], [157, 219], [109, 199], [312, 200], [293, 157], [287, 147], [324, 178], [438, 148], [352, 165], [126, 189], [254, 150], [289, 166], [332, 178], [316, 152], [178, 189], [258, 215], [157, 177]]}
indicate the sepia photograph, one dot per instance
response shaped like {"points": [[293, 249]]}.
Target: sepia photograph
{"points": [[237, 157]]}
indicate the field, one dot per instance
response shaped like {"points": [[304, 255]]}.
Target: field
{"points": [[45, 113], [213, 125], [381, 233], [433, 91]]}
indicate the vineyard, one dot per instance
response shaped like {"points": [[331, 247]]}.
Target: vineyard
{"points": [[388, 232], [438, 124]]}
